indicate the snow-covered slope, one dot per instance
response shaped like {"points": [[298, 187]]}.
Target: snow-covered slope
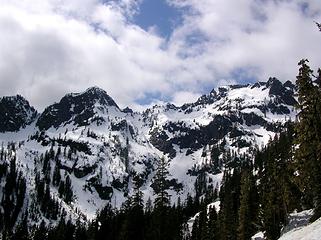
{"points": [[101, 147], [310, 232], [303, 230]]}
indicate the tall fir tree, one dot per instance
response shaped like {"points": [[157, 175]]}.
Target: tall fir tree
{"points": [[308, 154], [160, 184], [248, 211], [161, 202]]}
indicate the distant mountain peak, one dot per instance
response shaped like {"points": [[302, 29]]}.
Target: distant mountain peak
{"points": [[273, 81], [96, 90], [16, 113], [92, 95], [77, 107], [127, 110]]}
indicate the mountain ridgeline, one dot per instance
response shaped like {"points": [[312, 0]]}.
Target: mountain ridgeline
{"points": [[86, 169]]}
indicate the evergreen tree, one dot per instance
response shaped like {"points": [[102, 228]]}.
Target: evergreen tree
{"points": [[229, 196], [195, 229], [161, 227], [279, 194], [80, 231], [308, 154], [68, 195], [40, 232], [133, 225], [22, 232], [248, 211], [213, 231], [56, 174], [160, 185]]}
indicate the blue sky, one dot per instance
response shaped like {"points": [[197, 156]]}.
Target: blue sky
{"points": [[144, 52], [159, 14]]}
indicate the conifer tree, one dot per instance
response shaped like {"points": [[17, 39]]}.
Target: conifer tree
{"points": [[133, 225], [56, 175], [160, 184], [229, 196], [248, 211], [213, 231], [160, 216], [80, 231], [40, 232], [68, 190], [308, 154], [21, 232]]}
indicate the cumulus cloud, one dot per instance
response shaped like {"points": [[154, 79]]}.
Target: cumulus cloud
{"points": [[264, 37], [182, 97], [51, 47]]}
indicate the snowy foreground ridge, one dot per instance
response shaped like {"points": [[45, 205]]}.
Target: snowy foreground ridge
{"points": [[100, 148], [310, 232], [298, 228]]}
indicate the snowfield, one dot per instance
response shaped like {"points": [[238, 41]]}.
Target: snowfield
{"points": [[310, 232], [298, 228]]}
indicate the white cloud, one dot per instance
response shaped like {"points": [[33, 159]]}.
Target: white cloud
{"points": [[269, 36], [182, 97], [51, 47]]}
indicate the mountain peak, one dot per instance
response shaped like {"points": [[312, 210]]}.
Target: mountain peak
{"points": [[95, 90], [76, 107], [273, 81], [91, 96], [16, 113]]}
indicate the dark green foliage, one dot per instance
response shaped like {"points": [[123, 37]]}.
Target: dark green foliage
{"points": [[134, 215], [308, 154], [249, 206], [13, 196], [63, 231], [212, 224], [279, 194], [80, 231], [22, 232], [200, 229], [40, 232], [318, 25], [48, 206], [160, 184], [216, 163], [68, 194], [65, 190], [229, 196], [201, 184], [56, 178]]}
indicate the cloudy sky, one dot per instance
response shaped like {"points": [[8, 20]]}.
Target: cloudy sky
{"points": [[145, 51]]}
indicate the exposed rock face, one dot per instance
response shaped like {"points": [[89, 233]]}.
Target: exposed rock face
{"points": [[78, 108], [226, 110], [16, 113]]}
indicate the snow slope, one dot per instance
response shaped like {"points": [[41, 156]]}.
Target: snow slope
{"points": [[308, 232]]}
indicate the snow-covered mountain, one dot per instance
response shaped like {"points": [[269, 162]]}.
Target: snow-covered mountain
{"points": [[16, 113], [100, 148]]}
